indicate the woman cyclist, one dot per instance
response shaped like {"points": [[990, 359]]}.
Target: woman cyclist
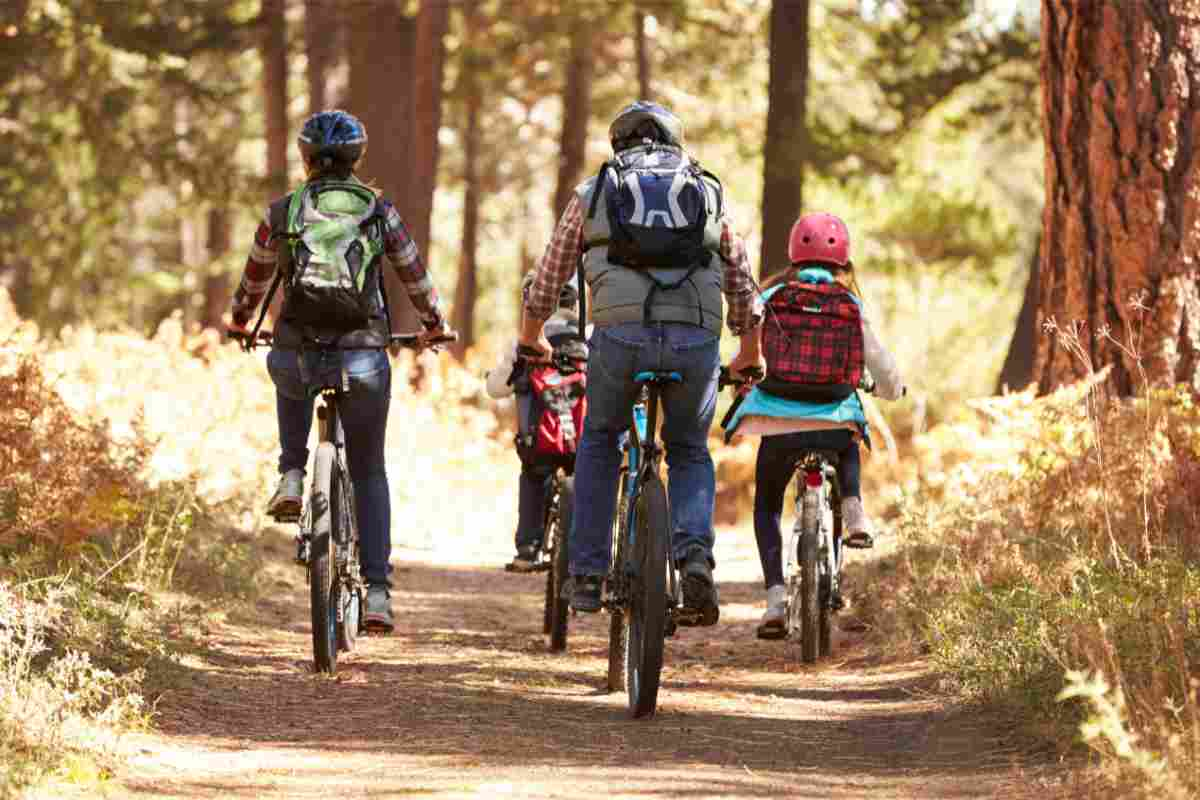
{"points": [[309, 351]]}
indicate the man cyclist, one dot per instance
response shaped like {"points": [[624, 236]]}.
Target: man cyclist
{"points": [[648, 318], [309, 351]]}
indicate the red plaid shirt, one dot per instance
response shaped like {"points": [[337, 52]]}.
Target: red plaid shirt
{"points": [[399, 250], [562, 257]]}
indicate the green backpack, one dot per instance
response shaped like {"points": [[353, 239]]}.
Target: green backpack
{"points": [[335, 236]]}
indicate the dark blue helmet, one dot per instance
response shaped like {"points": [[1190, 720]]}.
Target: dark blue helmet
{"points": [[642, 119], [335, 134]]}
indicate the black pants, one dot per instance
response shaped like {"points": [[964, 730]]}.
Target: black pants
{"points": [[777, 459]]}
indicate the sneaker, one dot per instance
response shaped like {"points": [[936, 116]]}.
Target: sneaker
{"points": [[585, 596], [526, 559], [699, 592], [286, 503], [855, 525], [774, 619], [377, 616]]}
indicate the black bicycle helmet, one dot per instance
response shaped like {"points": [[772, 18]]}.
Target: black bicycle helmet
{"points": [[643, 120], [568, 296], [335, 135]]}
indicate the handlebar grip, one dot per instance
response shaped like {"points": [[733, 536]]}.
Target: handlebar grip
{"points": [[526, 351]]}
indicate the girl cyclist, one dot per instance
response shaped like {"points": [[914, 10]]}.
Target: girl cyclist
{"points": [[819, 252]]}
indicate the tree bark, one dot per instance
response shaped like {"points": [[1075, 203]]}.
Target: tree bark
{"points": [[216, 282], [433, 20], [274, 58], [1121, 108], [380, 41], [321, 32], [576, 100], [642, 47], [784, 150], [468, 284], [1017, 372]]}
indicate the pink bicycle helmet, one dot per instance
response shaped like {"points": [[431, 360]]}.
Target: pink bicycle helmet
{"points": [[819, 237]]}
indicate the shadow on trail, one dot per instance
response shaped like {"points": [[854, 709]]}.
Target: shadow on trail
{"points": [[466, 683]]}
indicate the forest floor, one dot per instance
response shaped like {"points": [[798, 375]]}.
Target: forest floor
{"points": [[464, 700]]}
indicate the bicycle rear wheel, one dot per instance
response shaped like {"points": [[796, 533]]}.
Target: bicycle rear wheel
{"points": [[648, 599], [618, 620], [808, 585], [344, 531], [558, 567], [324, 593]]}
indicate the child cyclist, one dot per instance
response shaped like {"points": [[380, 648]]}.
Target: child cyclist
{"points": [[794, 414], [508, 377]]}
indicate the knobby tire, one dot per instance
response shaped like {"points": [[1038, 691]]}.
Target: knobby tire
{"points": [[618, 622], [810, 590], [343, 520], [648, 599], [558, 567], [323, 584]]}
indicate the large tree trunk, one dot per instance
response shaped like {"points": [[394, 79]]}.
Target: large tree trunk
{"points": [[642, 48], [274, 58], [216, 282], [321, 32], [381, 40], [577, 101], [433, 20], [468, 283], [1017, 372], [784, 151], [1120, 102]]}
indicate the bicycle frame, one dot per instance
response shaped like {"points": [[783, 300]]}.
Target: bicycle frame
{"points": [[817, 482]]}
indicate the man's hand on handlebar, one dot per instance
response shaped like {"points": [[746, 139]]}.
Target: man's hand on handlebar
{"points": [[538, 349]]}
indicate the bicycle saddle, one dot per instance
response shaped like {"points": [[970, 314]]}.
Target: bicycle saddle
{"points": [[658, 377]]}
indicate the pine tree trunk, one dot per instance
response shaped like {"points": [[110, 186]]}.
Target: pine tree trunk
{"points": [[784, 151], [274, 58], [1017, 372], [468, 284], [642, 47], [216, 282], [433, 20], [1121, 100], [380, 44], [577, 100], [321, 29]]}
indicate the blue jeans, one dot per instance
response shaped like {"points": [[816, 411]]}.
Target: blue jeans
{"points": [[531, 504], [364, 412], [618, 353], [777, 459]]}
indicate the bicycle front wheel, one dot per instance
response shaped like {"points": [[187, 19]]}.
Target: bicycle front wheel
{"points": [[558, 567], [618, 622], [648, 599], [324, 594]]}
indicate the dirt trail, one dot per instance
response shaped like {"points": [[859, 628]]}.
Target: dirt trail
{"points": [[464, 701]]}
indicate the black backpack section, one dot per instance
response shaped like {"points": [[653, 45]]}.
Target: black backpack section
{"points": [[658, 211]]}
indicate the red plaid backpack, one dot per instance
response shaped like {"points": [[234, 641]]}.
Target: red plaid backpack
{"points": [[813, 342], [551, 406]]}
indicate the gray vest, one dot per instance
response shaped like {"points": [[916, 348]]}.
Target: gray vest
{"points": [[618, 294]]}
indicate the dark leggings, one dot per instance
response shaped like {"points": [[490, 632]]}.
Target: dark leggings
{"points": [[777, 459]]}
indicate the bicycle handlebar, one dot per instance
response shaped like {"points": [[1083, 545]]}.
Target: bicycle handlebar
{"points": [[751, 375], [530, 355], [249, 341]]}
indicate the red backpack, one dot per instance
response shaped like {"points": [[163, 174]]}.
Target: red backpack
{"points": [[813, 342], [550, 414]]}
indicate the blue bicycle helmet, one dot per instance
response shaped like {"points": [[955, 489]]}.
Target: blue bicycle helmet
{"points": [[642, 120], [336, 135]]}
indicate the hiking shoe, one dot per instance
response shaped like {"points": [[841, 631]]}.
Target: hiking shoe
{"points": [[699, 592], [774, 619], [585, 595], [526, 559], [377, 616], [855, 524], [286, 503]]}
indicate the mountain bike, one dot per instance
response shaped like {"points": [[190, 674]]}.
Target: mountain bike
{"points": [[815, 553], [558, 513], [644, 594], [327, 542]]}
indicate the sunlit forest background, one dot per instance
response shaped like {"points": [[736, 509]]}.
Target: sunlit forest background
{"points": [[1019, 184]]}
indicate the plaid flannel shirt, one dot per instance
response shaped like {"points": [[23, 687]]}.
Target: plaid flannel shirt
{"points": [[399, 250], [562, 257]]}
